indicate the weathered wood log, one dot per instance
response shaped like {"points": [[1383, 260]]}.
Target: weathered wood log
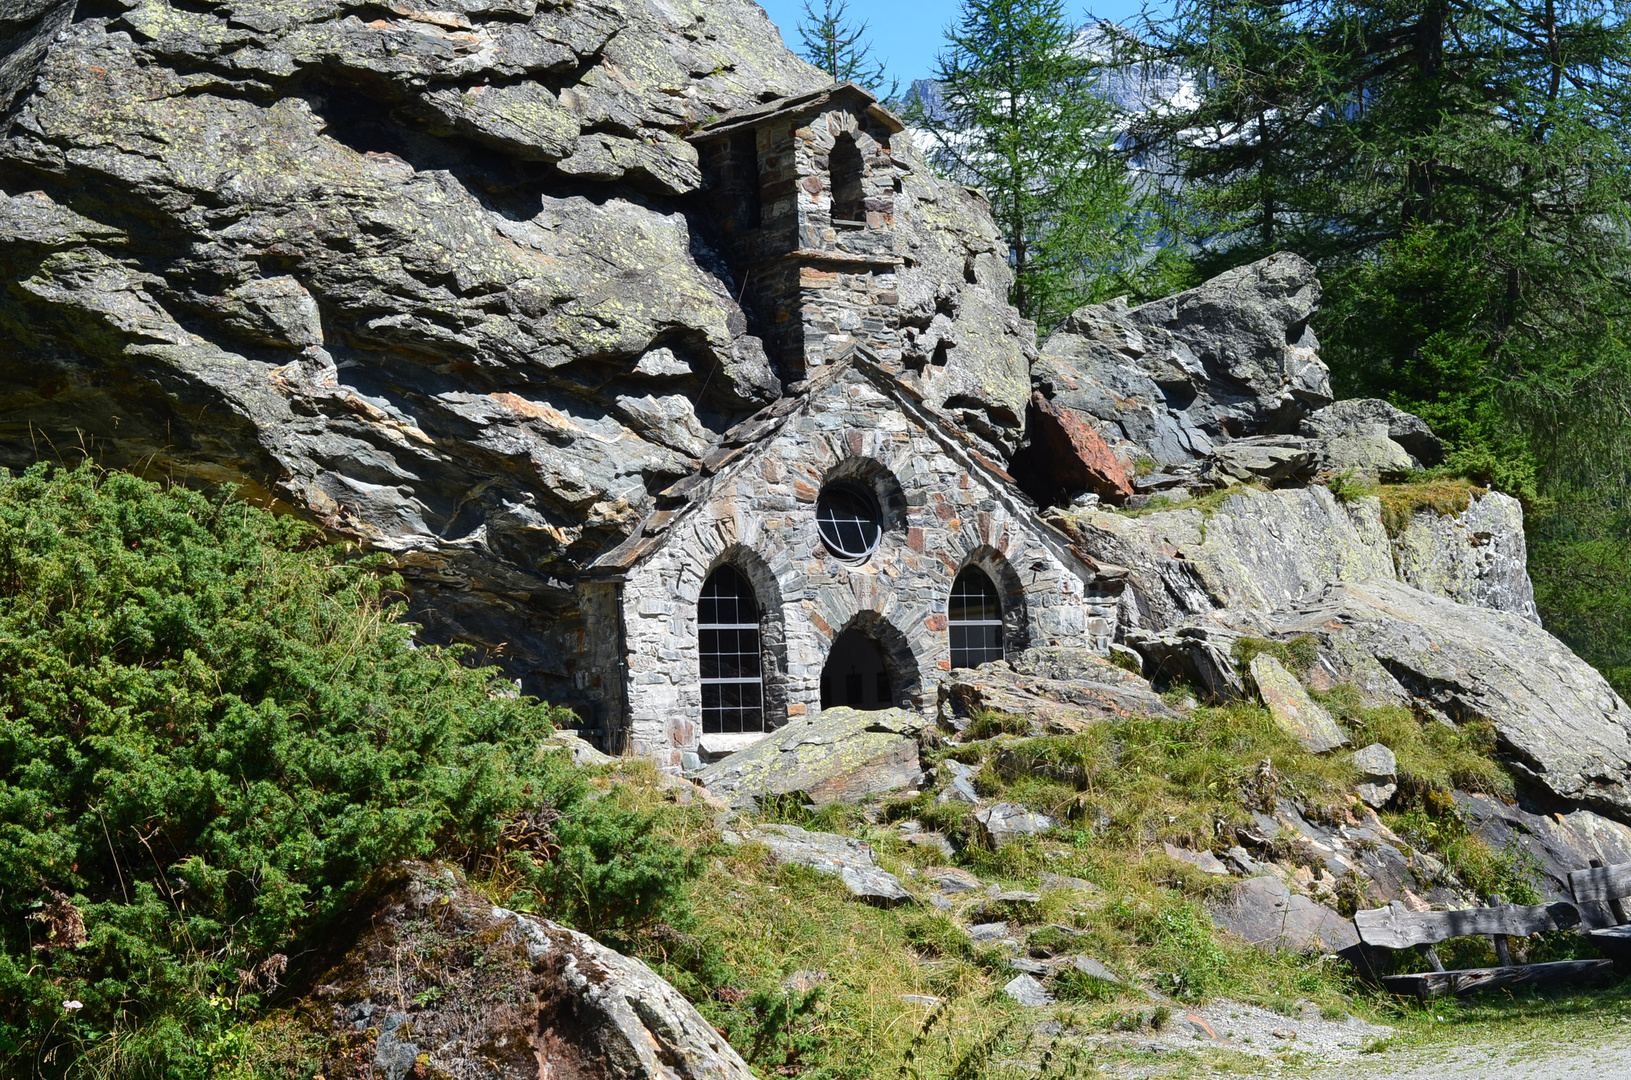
{"points": [[1607, 883], [1503, 954], [1431, 984], [1614, 942], [1395, 927]]}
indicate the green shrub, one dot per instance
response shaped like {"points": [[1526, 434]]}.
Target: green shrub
{"points": [[213, 732]]}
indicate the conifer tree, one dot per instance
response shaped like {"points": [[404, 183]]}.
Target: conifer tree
{"points": [[1020, 116], [840, 47]]}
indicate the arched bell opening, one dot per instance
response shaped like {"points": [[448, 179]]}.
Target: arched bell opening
{"points": [[847, 172]]}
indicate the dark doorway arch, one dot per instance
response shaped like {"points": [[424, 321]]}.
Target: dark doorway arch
{"points": [[729, 652], [846, 170], [974, 620], [856, 674]]}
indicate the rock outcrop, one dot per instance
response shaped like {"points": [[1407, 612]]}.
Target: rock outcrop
{"points": [[494, 993], [437, 278], [1557, 721], [1170, 380], [1265, 551], [842, 755], [842, 857], [1055, 691]]}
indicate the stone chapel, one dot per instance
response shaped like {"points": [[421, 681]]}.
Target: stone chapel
{"points": [[846, 545]]}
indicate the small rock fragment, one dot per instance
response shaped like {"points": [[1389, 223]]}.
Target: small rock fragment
{"points": [[1005, 822], [1028, 992], [1204, 861], [951, 880], [1093, 969]]}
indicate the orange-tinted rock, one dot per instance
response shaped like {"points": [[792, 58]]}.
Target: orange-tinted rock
{"points": [[1064, 456]]}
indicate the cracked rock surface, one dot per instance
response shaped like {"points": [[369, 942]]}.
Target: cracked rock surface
{"points": [[434, 276]]}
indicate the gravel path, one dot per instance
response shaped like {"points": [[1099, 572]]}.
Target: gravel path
{"points": [[1607, 1060]]}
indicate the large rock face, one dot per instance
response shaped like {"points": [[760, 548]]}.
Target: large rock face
{"points": [[1266, 551], [1557, 721], [1171, 379], [435, 276]]}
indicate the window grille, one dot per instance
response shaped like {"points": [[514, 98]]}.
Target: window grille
{"points": [[849, 520], [974, 616], [729, 648]]}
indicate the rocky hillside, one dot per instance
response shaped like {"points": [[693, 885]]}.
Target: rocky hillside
{"points": [[436, 276]]}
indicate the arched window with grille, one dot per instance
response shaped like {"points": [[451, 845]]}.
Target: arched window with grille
{"points": [[728, 640], [974, 617]]}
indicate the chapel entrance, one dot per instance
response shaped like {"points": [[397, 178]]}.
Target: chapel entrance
{"points": [[855, 674]]}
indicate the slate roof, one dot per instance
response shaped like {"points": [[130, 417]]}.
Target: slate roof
{"points": [[736, 446], [795, 105]]}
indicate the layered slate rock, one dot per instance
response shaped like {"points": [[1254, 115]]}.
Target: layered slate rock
{"points": [[842, 857], [1476, 555], [1268, 551], [1558, 842], [1055, 690], [494, 993], [1298, 714], [1172, 379], [434, 277], [1557, 721], [840, 755], [1265, 912]]}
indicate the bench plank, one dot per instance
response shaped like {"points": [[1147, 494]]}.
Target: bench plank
{"points": [[1395, 927], [1430, 984], [1601, 883]]}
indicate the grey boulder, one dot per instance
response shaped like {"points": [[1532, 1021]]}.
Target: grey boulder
{"points": [[1347, 430], [1265, 912], [1025, 990], [1296, 713], [843, 857], [839, 755], [1379, 773], [1003, 823], [1173, 378]]}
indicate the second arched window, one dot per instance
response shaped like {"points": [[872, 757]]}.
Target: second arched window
{"points": [[974, 618], [728, 646]]}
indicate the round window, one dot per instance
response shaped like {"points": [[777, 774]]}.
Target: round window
{"points": [[848, 517]]}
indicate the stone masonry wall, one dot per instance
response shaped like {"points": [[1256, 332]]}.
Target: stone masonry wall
{"points": [[760, 516], [815, 285]]}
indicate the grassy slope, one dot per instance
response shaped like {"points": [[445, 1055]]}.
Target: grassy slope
{"points": [[1141, 782]]}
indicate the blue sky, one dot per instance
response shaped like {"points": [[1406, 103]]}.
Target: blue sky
{"points": [[908, 34]]}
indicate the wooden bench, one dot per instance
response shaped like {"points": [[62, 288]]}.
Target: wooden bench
{"points": [[1607, 885], [1395, 927]]}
